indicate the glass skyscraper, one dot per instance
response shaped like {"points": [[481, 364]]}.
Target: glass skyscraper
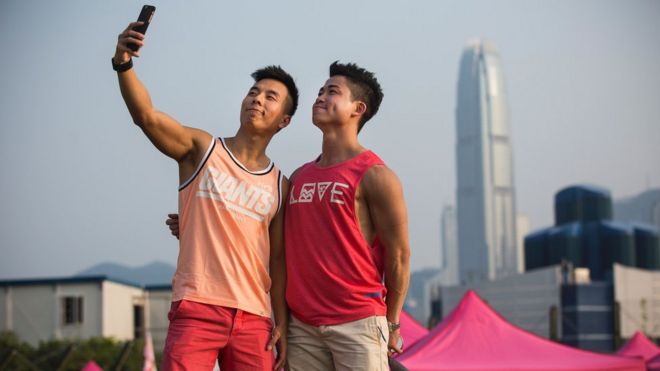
{"points": [[485, 195]]}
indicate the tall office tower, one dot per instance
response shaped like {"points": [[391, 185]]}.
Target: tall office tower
{"points": [[449, 247], [485, 197], [522, 230]]}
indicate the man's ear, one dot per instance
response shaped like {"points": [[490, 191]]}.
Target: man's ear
{"points": [[286, 120], [360, 108]]}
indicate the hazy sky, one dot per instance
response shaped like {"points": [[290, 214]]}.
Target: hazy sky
{"points": [[81, 184]]}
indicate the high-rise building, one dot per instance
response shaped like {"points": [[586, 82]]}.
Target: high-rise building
{"points": [[418, 300], [449, 247], [485, 196], [522, 229]]}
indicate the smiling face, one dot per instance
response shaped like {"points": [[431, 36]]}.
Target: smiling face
{"points": [[334, 103], [265, 105]]}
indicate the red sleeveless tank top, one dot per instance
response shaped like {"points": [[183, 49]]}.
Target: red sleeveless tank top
{"points": [[334, 275]]}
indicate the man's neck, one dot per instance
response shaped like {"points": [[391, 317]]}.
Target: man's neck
{"points": [[250, 150], [339, 146]]}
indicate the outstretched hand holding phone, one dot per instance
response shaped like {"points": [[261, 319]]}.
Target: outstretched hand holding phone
{"points": [[132, 38], [166, 133]]}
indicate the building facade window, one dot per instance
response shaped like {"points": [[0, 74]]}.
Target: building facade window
{"points": [[72, 310], [138, 321]]}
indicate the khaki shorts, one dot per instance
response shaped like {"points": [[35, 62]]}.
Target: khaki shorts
{"points": [[357, 345]]}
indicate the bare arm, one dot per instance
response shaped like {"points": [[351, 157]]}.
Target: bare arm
{"points": [[278, 278], [169, 136], [387, 209]]}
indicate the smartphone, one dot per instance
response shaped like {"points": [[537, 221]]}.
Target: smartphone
{"points": [[145, 16]]}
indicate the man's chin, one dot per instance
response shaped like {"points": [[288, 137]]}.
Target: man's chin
{"points": [[318, 120]]}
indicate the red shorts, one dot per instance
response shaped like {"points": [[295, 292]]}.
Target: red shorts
{"points": [[201, 333]]}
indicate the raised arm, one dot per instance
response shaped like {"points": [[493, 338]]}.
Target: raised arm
{"points": [[387, 209], [278, 279], [181, 143]]}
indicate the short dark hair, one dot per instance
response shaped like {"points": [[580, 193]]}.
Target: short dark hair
{"points": [[278, 73], [363, 85]]}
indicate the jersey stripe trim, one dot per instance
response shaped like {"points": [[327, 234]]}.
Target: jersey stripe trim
{"points": [[267, 170], [280, 178], [200, 166]]}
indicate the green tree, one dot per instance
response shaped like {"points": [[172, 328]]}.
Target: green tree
{"points": [[68, 354], [14, 354]]}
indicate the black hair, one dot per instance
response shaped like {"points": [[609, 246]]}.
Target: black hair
{"points": [[363, 85], [279, 74]]}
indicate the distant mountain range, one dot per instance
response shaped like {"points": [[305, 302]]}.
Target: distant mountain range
{"points": [[155, 273]]}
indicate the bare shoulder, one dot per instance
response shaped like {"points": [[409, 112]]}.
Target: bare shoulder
{"points": [[380, 178], [200, 143], [383, 194], [201, 139]]}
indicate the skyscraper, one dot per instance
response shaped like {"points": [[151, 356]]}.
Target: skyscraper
{"points": [[485, 194], [449, 247]]}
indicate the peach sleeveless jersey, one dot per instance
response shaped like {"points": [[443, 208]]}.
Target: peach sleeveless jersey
{"points": [[224, 246]]}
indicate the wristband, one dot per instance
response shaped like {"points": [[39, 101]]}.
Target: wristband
{"points": [[122, 67], [393, 326]]}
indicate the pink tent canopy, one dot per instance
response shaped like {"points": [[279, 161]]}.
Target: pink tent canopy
{"points": [[475, 337], [91, 366], [411, 330], [654, 364], [639, 346]]}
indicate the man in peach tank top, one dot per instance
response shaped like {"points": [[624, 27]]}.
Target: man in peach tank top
{"points": [[230, 200]]}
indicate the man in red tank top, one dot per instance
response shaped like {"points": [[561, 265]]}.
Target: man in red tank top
{"points": [[346, 238], [211, 318]]}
